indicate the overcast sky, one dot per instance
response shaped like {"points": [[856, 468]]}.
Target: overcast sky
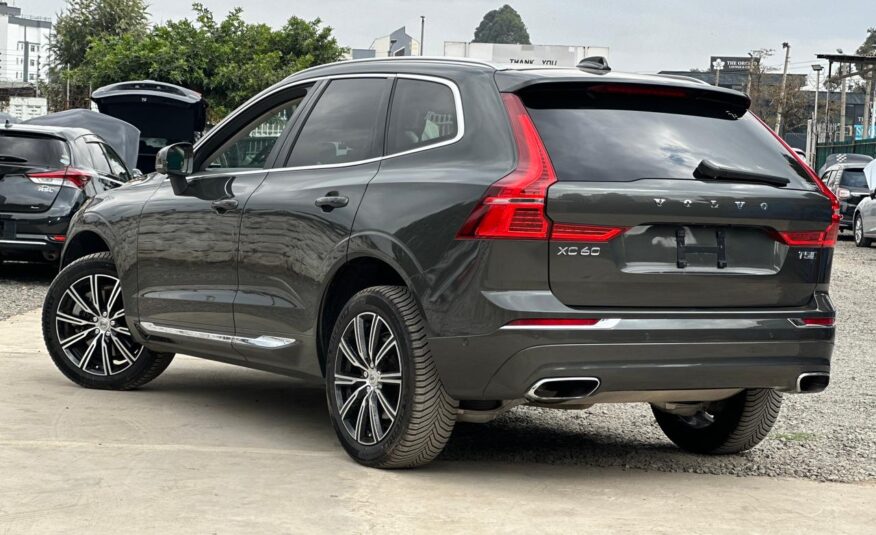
{"points": [[643, 35]]}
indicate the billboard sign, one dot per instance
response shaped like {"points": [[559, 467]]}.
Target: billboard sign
{"points": [[536, 55], [731, 63]]}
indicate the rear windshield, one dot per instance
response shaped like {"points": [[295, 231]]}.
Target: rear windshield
{"points": [[854, 178], [33, 151], [619, 137]]}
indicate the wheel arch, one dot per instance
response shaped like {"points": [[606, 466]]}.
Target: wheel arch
{"points": [[84, 243], [352, 276]]}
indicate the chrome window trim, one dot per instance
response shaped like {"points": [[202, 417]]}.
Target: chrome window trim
{"points": [[454, 89], [264, 341]]}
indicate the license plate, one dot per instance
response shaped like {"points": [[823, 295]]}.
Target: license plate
{"points": [[7, 230]]}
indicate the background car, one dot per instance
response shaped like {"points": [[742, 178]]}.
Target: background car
{"points": [[46, 173], [865, 212], [847, 182]]}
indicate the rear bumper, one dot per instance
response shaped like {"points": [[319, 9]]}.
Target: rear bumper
{"points": [[643, 351], [30, 246]]}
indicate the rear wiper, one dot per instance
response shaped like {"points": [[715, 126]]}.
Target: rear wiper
{"points": [[707, 169], [9, 158]]}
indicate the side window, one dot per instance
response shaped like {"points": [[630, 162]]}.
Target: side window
{"points": [[422, 114], [98, 159], [249, 149], [344, 126], [117, 166]]}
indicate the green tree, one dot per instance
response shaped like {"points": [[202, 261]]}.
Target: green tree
{"points": [[226, 61], [82, 23], [502, 25]]}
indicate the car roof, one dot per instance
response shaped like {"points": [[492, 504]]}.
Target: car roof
{"points": [[62, 132], [846, 165], [514, 76]]}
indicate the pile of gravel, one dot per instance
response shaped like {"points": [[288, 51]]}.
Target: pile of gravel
{"points": [[23, 286], [826, 437]]}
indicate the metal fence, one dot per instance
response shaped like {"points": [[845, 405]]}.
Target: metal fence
{"points": [[862, 146]]}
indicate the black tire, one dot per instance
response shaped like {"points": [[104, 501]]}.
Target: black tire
{"points": [[739, 423], [425, 414], [858, 230], [139, 370]]}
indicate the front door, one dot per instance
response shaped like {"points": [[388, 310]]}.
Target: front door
{"points": [[187, 246], [296, 225]]}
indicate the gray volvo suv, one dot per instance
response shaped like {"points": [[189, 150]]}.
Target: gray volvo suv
{"points": [[440, 240]]}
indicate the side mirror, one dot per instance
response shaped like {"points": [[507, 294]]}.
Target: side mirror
{"points": [[136, 173], [176, 161]]}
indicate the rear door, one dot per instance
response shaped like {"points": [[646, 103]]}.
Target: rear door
{"points": [[22, 154], [641, 221]]}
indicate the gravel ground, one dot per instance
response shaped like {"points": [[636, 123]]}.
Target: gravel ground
{"points": [[826, 437], [23, 286]]}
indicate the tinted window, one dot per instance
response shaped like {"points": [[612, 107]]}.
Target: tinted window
{"points": [[592, 137], [117, 166], [854, 178], [33, 150], [422, 114], [98, 159], [344, 126], [249, 149]]}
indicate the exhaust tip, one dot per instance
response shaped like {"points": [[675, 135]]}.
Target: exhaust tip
{"points": [[813, 382], [559, 389]]}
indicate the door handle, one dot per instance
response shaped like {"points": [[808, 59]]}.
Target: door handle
{"points": [[224, 205], [331, 201]]}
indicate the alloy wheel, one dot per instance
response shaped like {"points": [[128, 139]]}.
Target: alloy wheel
{"points": [[91, 329], [367, 380], [859, 230]]}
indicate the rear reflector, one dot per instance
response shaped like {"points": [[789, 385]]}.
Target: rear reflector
{"points": [[554, 322], [513, 207], [815, 322], [68, 176], [57, 237], [585, 233]]}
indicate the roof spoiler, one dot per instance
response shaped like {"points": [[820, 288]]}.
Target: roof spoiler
{"points": [[597, 64]]}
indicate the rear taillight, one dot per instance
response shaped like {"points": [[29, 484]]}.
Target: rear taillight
{"points": [[513, 207], [843, 193], [585, 233], [823, 238], [68, 176]]}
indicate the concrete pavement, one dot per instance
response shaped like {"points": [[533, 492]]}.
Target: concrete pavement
{"points": [[210, 448]]}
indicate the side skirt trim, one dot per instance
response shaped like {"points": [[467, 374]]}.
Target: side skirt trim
{"points": [[263, 342]]}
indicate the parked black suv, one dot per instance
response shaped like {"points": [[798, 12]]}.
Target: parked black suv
{"points": [[441, 240], [46, 173]]}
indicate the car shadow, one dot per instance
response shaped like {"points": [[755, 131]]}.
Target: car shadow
{"points": [[283, 410], [30, 272]]}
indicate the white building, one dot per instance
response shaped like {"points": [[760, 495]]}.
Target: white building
{"points": [[398, 43], [24, 45], [548, 55], [24, 108]]}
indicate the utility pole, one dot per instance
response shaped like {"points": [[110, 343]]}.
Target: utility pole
{"points": [[781, 109], [842, 131], [68, 87], [817, 68], [26, 55], [422, 33], [750, 66], [37, 85]]}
